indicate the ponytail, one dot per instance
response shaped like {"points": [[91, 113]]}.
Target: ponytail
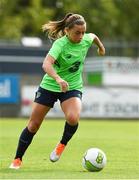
{"points": [[55, 29]]}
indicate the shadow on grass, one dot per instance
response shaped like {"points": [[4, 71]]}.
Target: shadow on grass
{"points": [[43, 170]]}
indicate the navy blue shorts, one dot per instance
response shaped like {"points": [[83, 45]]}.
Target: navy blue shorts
{"points": [[48, 98]]}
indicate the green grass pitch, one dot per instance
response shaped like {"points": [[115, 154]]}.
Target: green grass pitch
{"points": [[118, 139]]}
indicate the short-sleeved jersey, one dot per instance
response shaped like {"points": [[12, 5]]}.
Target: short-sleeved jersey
{"points": [[69, 59]]}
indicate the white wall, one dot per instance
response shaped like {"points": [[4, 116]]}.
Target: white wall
{"points": [[97, 102]]}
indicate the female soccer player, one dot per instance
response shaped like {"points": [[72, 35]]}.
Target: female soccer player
{"points": [[63, 66]]}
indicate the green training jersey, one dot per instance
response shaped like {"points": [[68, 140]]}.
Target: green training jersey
{"points": [[69, 59]]}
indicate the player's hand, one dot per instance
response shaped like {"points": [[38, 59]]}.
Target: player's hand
{"points": [[101, 51], [63, 84]]}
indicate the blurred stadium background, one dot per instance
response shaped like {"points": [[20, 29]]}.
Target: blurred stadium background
{"points": [[111, 82]]}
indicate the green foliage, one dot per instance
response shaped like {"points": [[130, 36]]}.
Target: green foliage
{"points": [[110, 19]]}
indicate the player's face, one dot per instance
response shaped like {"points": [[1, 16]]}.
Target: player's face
{"points": [[76, 33]]}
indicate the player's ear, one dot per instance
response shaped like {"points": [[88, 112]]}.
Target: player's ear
{"points": [[66, 30]]}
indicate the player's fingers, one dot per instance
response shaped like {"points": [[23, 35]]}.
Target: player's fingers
{"points": [[64, 86]]}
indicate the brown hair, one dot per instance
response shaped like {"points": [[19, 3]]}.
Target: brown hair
{"points": [[55, 29]]}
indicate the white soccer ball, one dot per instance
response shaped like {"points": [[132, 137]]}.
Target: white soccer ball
{"points": [[94, 159]]}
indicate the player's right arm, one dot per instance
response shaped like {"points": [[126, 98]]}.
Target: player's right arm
{"points": [[48, 68]]}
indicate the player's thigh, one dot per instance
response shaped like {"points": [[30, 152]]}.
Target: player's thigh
{"points": [[72, 109], [38, 113]]}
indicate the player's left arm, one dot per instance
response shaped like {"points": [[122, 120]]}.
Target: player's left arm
{"points": [[101, 48]]}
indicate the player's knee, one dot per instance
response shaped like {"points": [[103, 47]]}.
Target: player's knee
{"points": [[73, 118], [33, 126]]}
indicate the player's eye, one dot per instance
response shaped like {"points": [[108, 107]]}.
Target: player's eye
{"points": [[77, 32]]}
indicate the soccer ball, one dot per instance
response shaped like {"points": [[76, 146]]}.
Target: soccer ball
{"points": [[94, 159]]}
